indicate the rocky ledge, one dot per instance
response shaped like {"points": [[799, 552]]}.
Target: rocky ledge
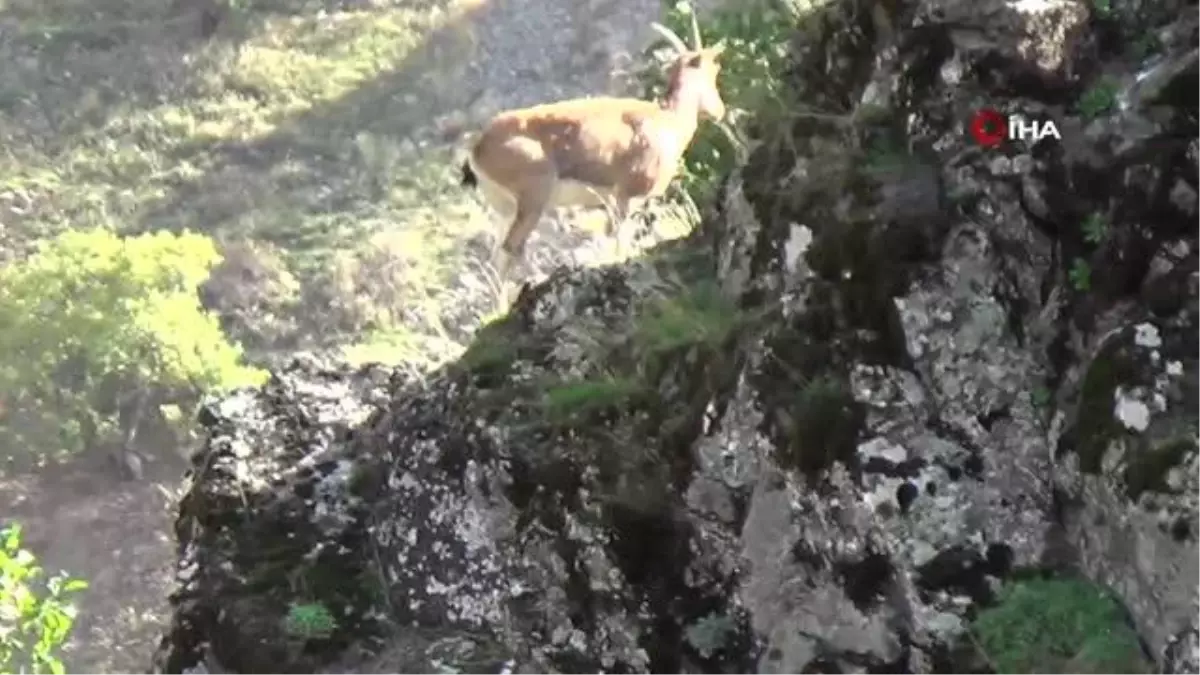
{"points": [[890, 370]]}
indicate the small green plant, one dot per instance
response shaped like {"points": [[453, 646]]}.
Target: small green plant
{"points": [[1098, 100], [576, 398], [1057, 626], [1041, 397], [1095, 228], [35, 616], [309, 621], [1102, 8], [1080, 275]]}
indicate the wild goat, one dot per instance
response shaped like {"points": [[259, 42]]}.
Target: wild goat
{"points": [[592, 152]]}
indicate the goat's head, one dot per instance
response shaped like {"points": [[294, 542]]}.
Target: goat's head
{"points": [[695, 70]]}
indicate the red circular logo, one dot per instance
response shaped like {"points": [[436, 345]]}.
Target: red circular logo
{"points": [[989, 128]]}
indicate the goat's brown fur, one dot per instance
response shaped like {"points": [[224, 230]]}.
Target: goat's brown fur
{"points": [[592, 152]]}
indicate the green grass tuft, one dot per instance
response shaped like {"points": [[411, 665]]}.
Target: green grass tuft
{"points": [[573, 399], [700, 314]]}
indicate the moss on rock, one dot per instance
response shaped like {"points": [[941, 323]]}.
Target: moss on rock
{"points": [[1095, 427], [1148, 471]]}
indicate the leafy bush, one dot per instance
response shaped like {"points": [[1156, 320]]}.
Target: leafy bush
{"points": [[1057, 626], [35, 618], [99, 328]]}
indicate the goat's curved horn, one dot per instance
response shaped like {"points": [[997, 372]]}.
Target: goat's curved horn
{"points": [[698, 44], [670, 36]]}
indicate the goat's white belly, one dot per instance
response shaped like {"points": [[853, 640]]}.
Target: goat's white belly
{"points": [[567, 194], [576, 193]]}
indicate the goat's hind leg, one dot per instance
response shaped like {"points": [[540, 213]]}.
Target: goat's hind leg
{"points": [[618, 213], [502, 206], [529, 193], [512, 249], [531, 204]]}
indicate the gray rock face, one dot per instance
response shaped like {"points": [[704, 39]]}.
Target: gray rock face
{"points": [[918, 373]]}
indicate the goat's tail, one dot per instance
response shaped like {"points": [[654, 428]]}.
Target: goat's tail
{"points": [[469, 179]]}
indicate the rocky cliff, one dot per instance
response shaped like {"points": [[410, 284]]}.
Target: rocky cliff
{"points": [[889, 370]]}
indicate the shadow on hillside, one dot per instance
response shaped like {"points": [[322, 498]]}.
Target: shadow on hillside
{"points": [[91, 90], [70, 66], [316, 163], [317, 166]]}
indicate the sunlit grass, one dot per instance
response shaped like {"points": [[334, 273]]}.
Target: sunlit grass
{"points": [[295, 126]]}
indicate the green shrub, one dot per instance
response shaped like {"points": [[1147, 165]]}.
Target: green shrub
{"points": [[1057, 626], [95, 325], [35, 618]]}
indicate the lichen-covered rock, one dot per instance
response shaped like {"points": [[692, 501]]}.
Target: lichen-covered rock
{"points": [[890, 371], [262, 529]]}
